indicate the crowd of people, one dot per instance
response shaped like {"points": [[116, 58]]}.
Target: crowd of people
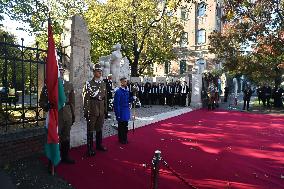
{"points": [[266, 93], [172, 93]]}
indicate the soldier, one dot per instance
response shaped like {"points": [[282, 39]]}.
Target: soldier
{"points": [[95, 107], [66, 117]]}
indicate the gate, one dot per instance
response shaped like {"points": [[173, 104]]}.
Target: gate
{"points": [[22, 72]]}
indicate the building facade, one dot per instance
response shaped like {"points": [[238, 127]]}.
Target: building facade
{"points": [[199, 20]]}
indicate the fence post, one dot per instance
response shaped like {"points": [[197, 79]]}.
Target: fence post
{"points": [[155, 169]]}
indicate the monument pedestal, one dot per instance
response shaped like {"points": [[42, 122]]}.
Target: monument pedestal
{"points": [[196, 91]]}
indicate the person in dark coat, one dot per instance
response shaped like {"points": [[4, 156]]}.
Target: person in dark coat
{"points": [[247, 95], [169, 94], [184, 90], [66, 117], [277, 95], [122, 100], [267, 92], [259, 94], [141, 93], [109, 89], [226, 93], [147, 92], [162, 94]]}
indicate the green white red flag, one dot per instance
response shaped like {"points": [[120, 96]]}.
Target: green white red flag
{"points": [[56, 99]]}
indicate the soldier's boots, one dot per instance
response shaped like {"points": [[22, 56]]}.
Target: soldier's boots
{"points": [[90, 145], [65, 147], [99, 139]]}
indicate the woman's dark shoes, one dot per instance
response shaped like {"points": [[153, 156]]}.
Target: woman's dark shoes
{"points": [[91, 153], [124, 142], [101, 148], [68, 160]]}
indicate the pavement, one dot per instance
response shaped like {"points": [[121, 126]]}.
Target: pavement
{"points": [[143, 116]]}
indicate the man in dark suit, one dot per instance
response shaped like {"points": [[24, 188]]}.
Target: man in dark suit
{"points": [[109, 89], [162, 94], [247, 95], [184, 90]]}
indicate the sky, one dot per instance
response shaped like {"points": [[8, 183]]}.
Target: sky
{"points": [[11, 26]]}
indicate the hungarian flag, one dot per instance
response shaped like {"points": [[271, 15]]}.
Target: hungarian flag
{"points": [[56, 99]]}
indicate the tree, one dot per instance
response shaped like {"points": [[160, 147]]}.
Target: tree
{"points": [[146, 30], [135, 24], [252, 39], [36, 13]]}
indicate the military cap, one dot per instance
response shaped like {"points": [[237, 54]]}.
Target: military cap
{"points": [[97, 67]]}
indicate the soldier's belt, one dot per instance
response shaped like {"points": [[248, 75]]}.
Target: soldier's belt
{"points": [[97, 99]]}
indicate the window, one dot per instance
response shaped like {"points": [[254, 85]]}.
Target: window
{"points": [[182, 66], [167, 67], [184, 39], [184, 14], [218, 11], [200, 65], [201, 9], [201, 36]]}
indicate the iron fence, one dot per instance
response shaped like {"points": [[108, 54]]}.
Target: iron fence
{"points": [[22, 72]]}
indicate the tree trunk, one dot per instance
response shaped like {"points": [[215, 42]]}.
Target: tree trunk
{"points": [[278, 77], [134, 66]]}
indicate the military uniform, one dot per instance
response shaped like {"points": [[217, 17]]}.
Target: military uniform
{"points": [[95, 108], [66, 118]]}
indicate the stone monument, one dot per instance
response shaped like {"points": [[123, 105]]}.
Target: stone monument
{"points": [[115, 60], [77, 45], [196, 88], [124, 68], [105, 63], [235, 82]]}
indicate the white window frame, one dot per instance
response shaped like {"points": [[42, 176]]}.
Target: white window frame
{"points": [[201, 9], [201, 65], [184, 39], [201, 36]]}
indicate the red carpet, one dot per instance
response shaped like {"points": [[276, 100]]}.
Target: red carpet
{"points": [[210, 149]]}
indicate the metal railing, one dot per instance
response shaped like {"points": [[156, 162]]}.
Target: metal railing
{"points": [[22, 74]]}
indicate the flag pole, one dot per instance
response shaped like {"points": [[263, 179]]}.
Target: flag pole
{"points": [[49, 22], [134, 117]]}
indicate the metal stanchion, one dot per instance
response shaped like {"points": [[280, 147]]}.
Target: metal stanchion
{"points": [[157, 159], [155, 169]]}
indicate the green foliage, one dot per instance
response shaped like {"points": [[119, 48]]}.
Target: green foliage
{"points": [[17, 72], [145, 30], [251, 42]]}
